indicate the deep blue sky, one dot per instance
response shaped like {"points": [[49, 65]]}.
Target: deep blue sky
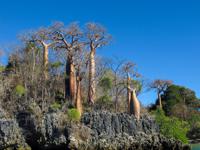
{"points": [[162, 37]]}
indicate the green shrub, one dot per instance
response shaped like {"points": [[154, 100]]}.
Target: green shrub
{"points": [[172, 127], [20, 90], [24, 148], [56, 106], [73, 114], [104, 99]]}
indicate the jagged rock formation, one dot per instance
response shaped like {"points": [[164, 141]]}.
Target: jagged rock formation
{"points": [[96, 131], [10, 133]]}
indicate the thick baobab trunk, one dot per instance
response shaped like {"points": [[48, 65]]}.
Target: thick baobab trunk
{"points": [[160, 101], [67, 81], [92, 83], [134, 105], [70, 81], [128, 92], [78, 95], [45, 60]]}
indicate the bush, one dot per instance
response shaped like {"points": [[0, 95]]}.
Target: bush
{"points": [[172, 127], [55, 106], [104, 103], [73, 114], [24, 148], [19, 90]]}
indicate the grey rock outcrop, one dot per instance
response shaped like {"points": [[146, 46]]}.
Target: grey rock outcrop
{"points": [[124, 132], [113, 123], [96, 131], [10, 133]]}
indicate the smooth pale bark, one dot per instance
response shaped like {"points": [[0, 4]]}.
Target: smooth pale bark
{"points": [[128, 92], [78, 95], [92, 83], [72, 82], [45, 59], [134, 104], [160, 100]]}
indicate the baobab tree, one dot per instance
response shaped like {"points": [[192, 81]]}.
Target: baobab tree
{"points": [[41, 37], [69, 38], [130, 73], [80, 62], [96, 37], [160, 86], [134, 104]]}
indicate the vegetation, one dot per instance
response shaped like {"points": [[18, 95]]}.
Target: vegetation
{"points": [[20, 90], [179, 116], [56, 106], [57, 68], [73, 114], [172, 127]]}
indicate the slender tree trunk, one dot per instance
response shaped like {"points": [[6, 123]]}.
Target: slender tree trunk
{"points": [[78, 95], [92, 83], [128, 92], [116, 100], [134, 105], [45, 60], [160, 101], [33, 68], [72, 82]]}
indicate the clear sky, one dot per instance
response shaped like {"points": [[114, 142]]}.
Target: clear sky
{"points": [[162, 37]]}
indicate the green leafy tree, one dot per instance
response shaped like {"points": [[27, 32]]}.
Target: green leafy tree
{"points": [[175, 94]]}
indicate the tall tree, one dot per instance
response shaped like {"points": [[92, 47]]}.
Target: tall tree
{"points": [[130, 73], [160, 86], [96, 37], [43, 37], [69, 38], [80, 68]]}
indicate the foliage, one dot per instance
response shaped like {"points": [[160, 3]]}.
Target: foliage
{"points": [[172, 127], [106, 83], [2, 68], [138, 85], [55, 106], [20, 90], [73, 114], [56, 64], [104, 99], [24, 148], [194, 120], [175, 99]]}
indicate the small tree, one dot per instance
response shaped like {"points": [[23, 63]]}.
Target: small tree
{"points": [[160, 86]]}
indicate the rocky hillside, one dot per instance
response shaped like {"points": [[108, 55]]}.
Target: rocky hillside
{"points": [[96, 131]]}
